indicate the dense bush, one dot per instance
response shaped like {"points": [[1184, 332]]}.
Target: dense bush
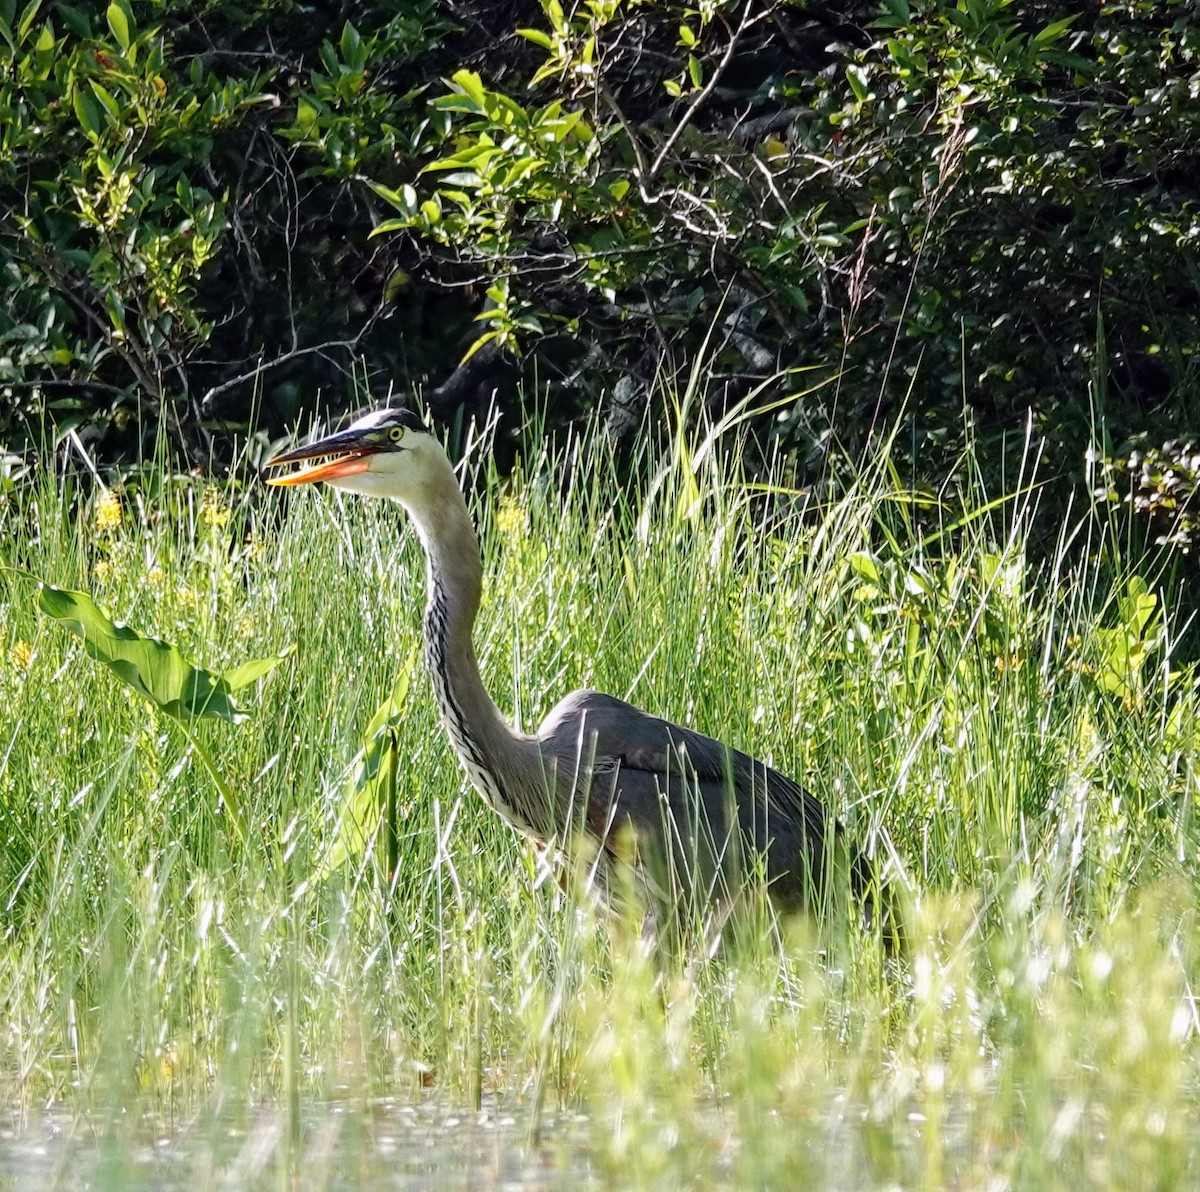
{"points": [[934, 202], [163, 239]]}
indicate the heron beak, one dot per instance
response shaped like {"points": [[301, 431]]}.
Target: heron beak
{"points": [[342, 454]]}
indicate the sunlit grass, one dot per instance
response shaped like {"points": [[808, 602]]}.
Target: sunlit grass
{"points": [[1012, 741]]}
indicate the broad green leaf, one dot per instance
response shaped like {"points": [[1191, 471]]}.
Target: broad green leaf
{"points": [[537, 37], [151, 667], [106, 101], [464, 178], [238, 677], [116, 311], [474, 157], [307, 114], [352, 47], [470, 84], [404, 199], [1054, 31], [87, 112], [390, 225], [857, 78], [1115, 670], [896, 16], [119, 24], [864, 565], [27, 19], [1136, 606]]}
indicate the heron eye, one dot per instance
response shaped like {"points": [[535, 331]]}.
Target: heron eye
{"points": [[396, 434]]}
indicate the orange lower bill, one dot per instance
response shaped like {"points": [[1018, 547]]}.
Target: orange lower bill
{"points": [[346, 465]]}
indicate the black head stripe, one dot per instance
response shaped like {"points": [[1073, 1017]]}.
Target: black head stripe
{"points": [[387, 418], [400, 416]]}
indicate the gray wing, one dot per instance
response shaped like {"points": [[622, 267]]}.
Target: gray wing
{"points": [[629, 768]]}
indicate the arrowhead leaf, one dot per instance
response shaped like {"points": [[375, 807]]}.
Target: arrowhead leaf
{"points": [[242, 676], [152, 667]]}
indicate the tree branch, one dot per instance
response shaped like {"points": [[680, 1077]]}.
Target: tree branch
{"points": [[285, 358], [700, 99]]}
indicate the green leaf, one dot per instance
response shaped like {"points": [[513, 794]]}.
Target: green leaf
{"points": [[1136, 606], [404, 200], [87, 112], [857, 78], [864, 565], [151, 667], [1054, 31], [695, 71], [470, 84], [307, 115], [370, 791], [537, 37], [106, 101], [390, 225], [27, 19], [686, 36], [896, 15], [351, 45], [118, 22], [485, 339], [116, 311], [238, 677]]}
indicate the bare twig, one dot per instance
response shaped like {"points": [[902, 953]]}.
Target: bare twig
{"points": [[284, 358], [701, 97], [610, 99]]}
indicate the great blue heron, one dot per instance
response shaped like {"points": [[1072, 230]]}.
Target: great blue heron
{"points": [[597, 765]]}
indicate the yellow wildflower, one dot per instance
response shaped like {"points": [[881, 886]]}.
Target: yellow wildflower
{"points": [[20, 653], [214, 513], [107, 514], [510, 517]]}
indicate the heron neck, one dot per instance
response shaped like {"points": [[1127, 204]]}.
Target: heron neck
{"points": [[493, 755]]}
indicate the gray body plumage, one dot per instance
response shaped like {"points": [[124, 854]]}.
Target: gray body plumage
{"points": [[708, 812]]}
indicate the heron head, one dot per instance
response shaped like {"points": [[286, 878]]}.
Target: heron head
{"points": [[387, 453]]}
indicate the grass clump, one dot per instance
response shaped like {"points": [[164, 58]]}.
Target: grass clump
{"points": [[1011, 739]]}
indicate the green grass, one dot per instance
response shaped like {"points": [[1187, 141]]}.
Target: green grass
{"points": [[1013, 742]]}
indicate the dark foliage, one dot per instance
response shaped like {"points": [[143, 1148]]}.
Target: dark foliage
{"points": [[976, 212]]}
